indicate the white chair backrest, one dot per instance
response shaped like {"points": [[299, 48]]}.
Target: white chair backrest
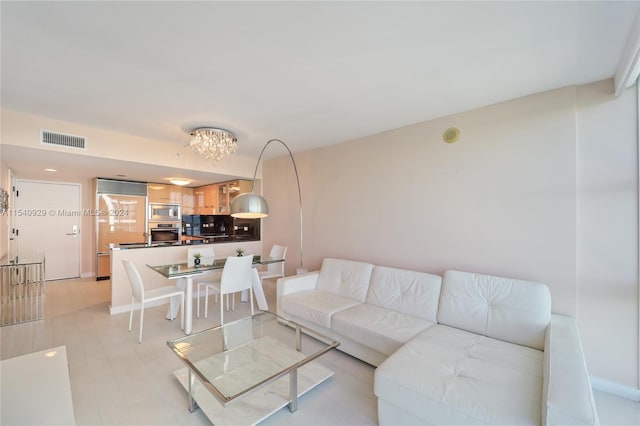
{"points": [[237, 274], [207, 255], [134, 279], [277, 252]]}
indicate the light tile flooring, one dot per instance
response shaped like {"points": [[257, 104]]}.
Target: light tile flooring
{"points": [[116, 381]]}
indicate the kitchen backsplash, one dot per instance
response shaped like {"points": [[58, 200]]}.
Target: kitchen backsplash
{"points": [[221, 226]]}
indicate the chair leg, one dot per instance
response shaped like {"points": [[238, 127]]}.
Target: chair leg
{"points": [[182, 312], [206, 302], [131, 314], [198, 308], [222, 310], [251, 299], [141, 320]]}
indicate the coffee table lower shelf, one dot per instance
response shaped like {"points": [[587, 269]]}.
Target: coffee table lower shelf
{"points": [[257, 405]]}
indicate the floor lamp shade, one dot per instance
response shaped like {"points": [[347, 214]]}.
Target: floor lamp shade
{"points": [[249, 206]]}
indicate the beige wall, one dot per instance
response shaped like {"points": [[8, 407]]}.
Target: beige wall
{"points": [[503, 200]]}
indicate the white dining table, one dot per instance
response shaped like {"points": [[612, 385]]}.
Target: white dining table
{"points": [[184, 274]]}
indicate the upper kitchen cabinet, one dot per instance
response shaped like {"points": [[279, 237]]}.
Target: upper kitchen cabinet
{"points": [[188, 201], [205, 199], [163, 193], [216, 198], [228, 191]]}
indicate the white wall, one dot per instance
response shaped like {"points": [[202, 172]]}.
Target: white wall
{"points": [[502, 200], [607, 224]]}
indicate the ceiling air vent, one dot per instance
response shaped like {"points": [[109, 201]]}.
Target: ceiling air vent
{"points": [[61, 139]]}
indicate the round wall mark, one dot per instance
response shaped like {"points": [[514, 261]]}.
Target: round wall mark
{"points": [[451, 135]]}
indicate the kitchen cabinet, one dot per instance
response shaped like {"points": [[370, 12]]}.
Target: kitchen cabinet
{"points": [[216, 198], [188, 201], [223, 198], [103, 267], [198, 200], [163, 193], [228, 191], [205, 199]]}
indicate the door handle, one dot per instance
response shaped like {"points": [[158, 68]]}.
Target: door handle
{"points": [[74, 231]]}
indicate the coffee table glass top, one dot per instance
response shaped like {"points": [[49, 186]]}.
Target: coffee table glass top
{"points": [[237, 357]]}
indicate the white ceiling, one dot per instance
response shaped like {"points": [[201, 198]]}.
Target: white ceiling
{"points": [[310, 73]]}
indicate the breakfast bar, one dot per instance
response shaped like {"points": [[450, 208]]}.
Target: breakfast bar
{"points": [[160, 255]]}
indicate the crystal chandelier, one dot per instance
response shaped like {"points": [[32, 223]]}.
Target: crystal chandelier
{"points": [[214, 144]]}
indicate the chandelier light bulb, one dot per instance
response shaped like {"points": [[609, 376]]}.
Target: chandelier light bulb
{"points": [[214, 144]]}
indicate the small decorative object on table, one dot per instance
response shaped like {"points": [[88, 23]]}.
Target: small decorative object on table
{"points": [[196, 259], [239, 251]]}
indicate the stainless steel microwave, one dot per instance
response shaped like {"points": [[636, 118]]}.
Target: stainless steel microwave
{"points": [[164, 212]]}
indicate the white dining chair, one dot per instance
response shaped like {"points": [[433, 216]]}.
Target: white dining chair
{"points": [[237, 275], [145, 296], [274, 270], [207, 258]]}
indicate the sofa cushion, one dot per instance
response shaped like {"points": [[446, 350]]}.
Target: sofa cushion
{"points": [[449, 376], [315, 306], [345, 278], [512, 310], [408, 292], [378, 328]]}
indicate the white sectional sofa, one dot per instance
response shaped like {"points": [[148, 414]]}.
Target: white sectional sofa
{"points": [[460, 349]]}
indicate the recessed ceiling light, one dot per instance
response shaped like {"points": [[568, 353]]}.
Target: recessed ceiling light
{"points": [[180, 181], [50, 170]]}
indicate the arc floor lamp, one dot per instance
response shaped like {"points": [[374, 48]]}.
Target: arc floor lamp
{"points": [[251, 205]]}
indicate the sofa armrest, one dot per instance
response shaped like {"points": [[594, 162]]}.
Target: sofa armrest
{"points": [[293, 284], [567, 397]]}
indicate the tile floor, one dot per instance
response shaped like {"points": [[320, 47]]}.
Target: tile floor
{"points": [[116, 381]]}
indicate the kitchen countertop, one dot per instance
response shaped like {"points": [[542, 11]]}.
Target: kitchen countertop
{"points": [[213, 239]]}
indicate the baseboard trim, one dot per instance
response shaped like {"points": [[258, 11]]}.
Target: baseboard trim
{"points": [[615, 389], [113, 310], [87, 275]]}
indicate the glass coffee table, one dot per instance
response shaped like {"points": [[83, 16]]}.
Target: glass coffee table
{"points": [[236, 373]]}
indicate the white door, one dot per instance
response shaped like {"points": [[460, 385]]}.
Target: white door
{"points": [[47, 218], [11, 246]]}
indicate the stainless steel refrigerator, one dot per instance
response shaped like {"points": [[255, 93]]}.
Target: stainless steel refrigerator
{"points": [[121, 217]]}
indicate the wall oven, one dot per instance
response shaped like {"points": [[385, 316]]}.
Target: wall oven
{"points": [[164, 232], [164, 212]]}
